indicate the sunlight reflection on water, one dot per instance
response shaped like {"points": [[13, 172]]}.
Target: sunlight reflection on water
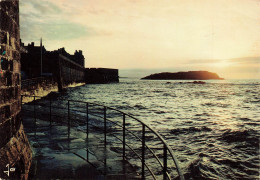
{"points": [[213, 128]]}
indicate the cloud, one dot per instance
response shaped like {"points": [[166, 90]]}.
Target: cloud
{"points": [[202, 61], [247, 60], [42, 6], [45, 19], [238, 61], [60, 30]]}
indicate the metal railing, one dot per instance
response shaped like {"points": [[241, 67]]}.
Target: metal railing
{"points": [[153, 157]]}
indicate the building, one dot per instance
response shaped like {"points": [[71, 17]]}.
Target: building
{"points": [[37, 62], [65, 68]]}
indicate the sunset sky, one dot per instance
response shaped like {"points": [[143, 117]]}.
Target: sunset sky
{"points": [[141, 37]]}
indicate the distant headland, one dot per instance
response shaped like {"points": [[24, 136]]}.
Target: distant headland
{"points": [[190, 75]]}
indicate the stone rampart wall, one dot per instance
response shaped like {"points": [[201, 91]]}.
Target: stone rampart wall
{"points": [[15, 150]]}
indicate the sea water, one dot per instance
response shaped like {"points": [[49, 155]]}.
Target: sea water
{"points": [[213, 128]]}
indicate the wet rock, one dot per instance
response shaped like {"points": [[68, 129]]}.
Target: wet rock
{"points": [[199, 82], [36, 145]]}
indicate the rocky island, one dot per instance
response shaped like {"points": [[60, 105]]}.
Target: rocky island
{"points": [[190, 75]]}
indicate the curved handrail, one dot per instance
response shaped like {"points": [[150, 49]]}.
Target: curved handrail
{"points": [[161, 139], [152, 130], [156, 157]]}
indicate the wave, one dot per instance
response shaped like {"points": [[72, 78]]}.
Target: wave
{"points": [[211, 167], [139, 106], [157, 91], [190, 130], [159, 112], [199, 169], [216, 105], [249, 136]]}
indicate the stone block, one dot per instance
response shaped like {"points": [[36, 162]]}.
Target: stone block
{"points": [[5, 132]]}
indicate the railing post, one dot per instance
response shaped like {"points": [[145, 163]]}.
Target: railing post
{"points": [[87, 130], [164, 162], [105, 139], [105, 125], [87, 154], [68, 118], [50, 112], [34, 114], [123, 136], [143, 151], [87, 121]]}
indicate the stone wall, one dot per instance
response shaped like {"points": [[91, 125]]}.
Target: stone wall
{"points": [[101, 75], [15, 150], [63, 70], [71, 72]]}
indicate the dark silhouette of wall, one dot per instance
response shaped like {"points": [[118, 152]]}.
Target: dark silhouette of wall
{"points": [[77, 57], [15, 150], [31, 61], [65, 71], [101, 75], [63, 67], [71, 71]]}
